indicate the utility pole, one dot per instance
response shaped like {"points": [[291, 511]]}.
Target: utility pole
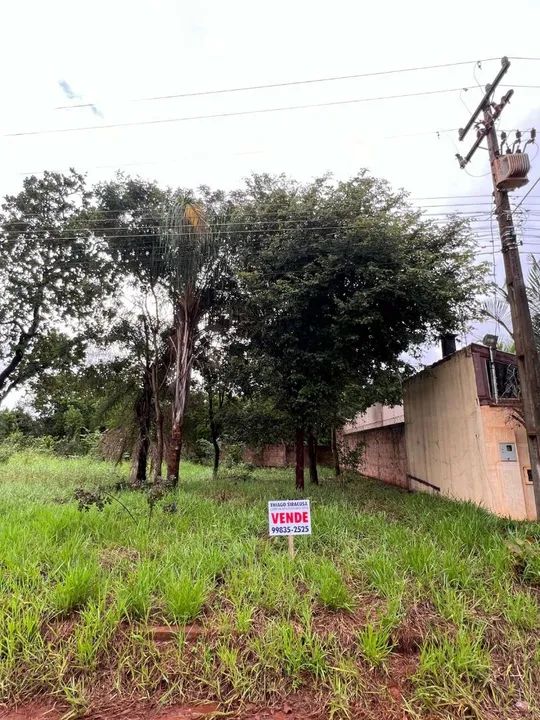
{"points": [[512, 175]]}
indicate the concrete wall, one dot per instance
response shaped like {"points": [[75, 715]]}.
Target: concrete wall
{"points": [[282, 455], [267, 456], [513, 494], [383, 455], [453, 442], [444, 433], [375, 416]]}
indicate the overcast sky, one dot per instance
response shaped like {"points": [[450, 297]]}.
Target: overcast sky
{"points": [[111, 54]]}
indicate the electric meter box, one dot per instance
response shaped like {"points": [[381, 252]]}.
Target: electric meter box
{"points": [[508, 452]]}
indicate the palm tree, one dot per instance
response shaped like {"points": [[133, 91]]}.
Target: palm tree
{"points": [[192, 257], [534, 297], [497, 308]]}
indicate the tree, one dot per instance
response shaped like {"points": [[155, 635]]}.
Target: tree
{"points": [[226, 381], [53, 274], [339, 280], [92, 396], [192, 252], [129, 215]]}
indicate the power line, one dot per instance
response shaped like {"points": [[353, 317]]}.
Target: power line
{"points": [[289, 83], [282, 224], [236, 113], [408, 205], [143, 243], [527, 193]]}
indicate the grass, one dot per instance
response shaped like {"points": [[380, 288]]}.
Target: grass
{"points": [[438, 597]]}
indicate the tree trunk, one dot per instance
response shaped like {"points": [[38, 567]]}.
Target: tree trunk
{"points": [[139, 461], [312, 455], [213, 432], [183, 348], [158, 413], [159, 447], [299, 459], [335, 453], [173, 459], [140, 456], [217, 452]]}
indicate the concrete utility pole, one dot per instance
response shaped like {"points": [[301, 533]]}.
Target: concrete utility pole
{"points": [[512, 175]]}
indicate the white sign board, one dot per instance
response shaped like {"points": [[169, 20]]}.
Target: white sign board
{"points": [[289, 517]]}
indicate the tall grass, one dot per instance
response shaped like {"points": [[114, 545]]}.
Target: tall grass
{"points": [[387, 580]]}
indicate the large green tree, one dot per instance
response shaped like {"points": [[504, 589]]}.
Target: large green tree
{"points": [[340, 279], [128, 214], [53, 274]]}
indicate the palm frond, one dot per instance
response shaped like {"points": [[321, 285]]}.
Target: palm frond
{"points": [[497, 309], [189, 245], [534, 286]]}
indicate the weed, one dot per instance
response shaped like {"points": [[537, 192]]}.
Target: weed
{"points": [[521, 609], [79, 585], [135, 596], [462, 656], [374, 644], [244, 618], [96, 625], [329, 586], [184, 596]]}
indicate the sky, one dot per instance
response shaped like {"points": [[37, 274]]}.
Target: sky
{"points": [[110, 56]]}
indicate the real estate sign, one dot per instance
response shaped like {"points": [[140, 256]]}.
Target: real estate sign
{"points": [[289, 517]]}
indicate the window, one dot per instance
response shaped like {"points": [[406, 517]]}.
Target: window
{"points": [[507, 379]]}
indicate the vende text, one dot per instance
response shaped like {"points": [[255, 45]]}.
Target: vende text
{"points": [[280, 518]]}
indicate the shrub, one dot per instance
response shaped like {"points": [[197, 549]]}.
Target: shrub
{"points": [[235, 454], [238, 473], [203, 452]]}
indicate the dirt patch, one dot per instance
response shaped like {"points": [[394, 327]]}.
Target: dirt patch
{"points": [[169, 633], [412, 631], [111, 557], [346, 625], [189, 712], [34, 711]]}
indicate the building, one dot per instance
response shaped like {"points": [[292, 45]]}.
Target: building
{"points": [[458, 433]]}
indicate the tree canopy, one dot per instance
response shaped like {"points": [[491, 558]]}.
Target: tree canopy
{"points": [[298, 304], [339, 281], [53, 275]]}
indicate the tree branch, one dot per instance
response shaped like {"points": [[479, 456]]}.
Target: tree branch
{"points": [[25, 338]]}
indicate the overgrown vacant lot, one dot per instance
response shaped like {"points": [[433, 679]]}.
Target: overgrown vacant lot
{"points": [[399, 605]]}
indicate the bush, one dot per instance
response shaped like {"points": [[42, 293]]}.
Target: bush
{"points": [[235, 455], [79, 444], [5, 453], [203, 452], [238, 473], [351, 458]]}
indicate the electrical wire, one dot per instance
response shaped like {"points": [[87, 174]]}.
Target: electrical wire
{"points": [[289, 83], [235, 113], [259, 225], [527, 194]]}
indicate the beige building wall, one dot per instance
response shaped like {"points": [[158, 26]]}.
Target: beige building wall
{"points": [[453, 443], [513, 492], [376, 416]]}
